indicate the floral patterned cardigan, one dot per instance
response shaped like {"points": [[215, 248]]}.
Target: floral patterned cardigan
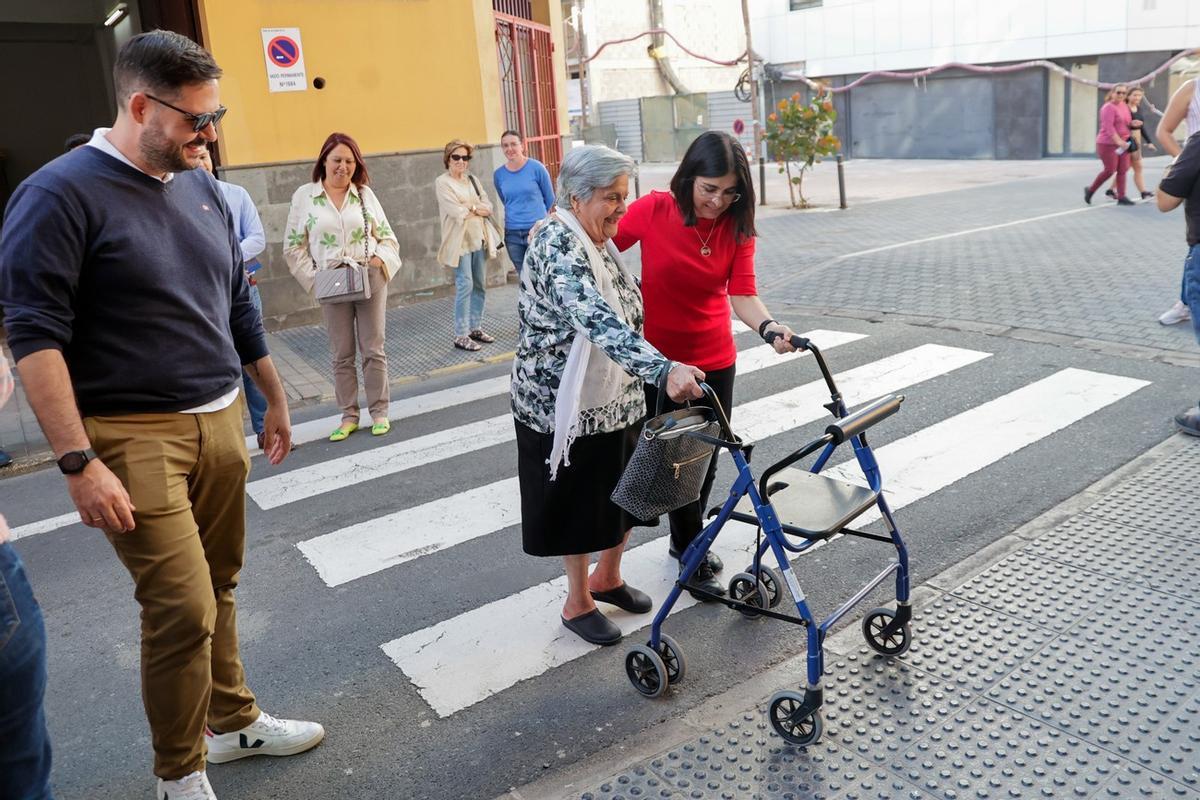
{"points": [[558, 296]]}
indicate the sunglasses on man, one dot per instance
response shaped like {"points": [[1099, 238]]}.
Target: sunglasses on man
{"points": [[199, 121]]}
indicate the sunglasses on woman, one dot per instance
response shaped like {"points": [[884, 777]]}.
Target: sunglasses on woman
{"points": [[457, 157], [199, 121]]}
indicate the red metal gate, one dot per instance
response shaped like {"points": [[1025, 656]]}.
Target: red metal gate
{"points": [[527, 86]]}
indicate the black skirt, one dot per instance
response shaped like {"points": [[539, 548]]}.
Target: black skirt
{"points": [[573, 514]]}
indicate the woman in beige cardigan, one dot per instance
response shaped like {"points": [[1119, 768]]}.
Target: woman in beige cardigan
{"points": [[468, 238]]}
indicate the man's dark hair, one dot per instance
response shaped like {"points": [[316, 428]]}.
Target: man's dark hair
{"points": [[161, 62], [76, 140], [713, 154]]}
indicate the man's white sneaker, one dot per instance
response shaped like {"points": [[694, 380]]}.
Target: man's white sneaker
{"points": [[191, 787], [266, 736], [1175, 314]]}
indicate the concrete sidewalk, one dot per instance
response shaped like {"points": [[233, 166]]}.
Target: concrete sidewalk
{"points": [[1062, 661]]}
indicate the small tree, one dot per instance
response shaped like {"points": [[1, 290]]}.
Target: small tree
{"points": [[801, 134]]}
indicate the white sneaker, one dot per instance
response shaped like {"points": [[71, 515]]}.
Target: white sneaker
{"points": [[1175, 314], [191, 787], [266, 736]]}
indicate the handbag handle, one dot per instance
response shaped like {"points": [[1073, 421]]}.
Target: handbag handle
{"points": [[366, 228]]}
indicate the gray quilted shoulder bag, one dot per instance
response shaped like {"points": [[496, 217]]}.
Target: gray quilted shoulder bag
{"points": [[347, 282]]}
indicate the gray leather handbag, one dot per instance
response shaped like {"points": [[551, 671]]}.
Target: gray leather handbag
{"points": [[347, 282], [667, 469]]}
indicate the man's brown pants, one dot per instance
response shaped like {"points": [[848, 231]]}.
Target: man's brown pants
{"points": [[186, 475]]}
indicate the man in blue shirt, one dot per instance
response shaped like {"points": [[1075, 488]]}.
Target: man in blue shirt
{"points": [[252, 241], [524, 187]]}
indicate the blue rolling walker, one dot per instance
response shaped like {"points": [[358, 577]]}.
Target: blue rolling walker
{"points": [[815, 507]]}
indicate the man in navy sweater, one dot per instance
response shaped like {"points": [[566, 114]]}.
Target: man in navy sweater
{"points": [[129, 315]]}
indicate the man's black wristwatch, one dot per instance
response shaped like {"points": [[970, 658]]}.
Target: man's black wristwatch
{"points": [[72, 463]]}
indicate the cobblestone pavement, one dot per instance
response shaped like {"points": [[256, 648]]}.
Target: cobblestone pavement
{"points": [[1066, 663]]}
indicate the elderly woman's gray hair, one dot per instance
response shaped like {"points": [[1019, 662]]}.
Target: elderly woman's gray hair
{"points": [[588, 168]]}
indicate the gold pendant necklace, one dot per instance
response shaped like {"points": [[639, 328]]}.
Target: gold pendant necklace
{"points": [[705, 250]]}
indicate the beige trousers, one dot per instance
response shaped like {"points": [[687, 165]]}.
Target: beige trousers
{"points": [[186, 475], [360, 323]]}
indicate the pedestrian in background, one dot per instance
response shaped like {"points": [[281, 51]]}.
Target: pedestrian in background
{"points": [[1112, 144], [1139, 142], [469, 238], [252, 241], [524, 187], [1181, 184], [577, 395], [1183, 105], [698, 261], [25, 752], [129, 315], [334, 220], [76, 140]]}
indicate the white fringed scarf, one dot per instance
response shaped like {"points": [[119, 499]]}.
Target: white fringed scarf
{"points": [[587, 382]]}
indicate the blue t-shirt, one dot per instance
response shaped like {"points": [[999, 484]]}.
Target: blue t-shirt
{"points": [[527, 194]]}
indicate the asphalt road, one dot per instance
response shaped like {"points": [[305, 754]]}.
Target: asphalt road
{"points": [[977, 451]]}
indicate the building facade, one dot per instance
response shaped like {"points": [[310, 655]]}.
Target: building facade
{"points": [[963, 113], [402, 77], [711, 28]]}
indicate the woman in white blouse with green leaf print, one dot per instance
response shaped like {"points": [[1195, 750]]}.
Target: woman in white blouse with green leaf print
{"points": [[334, 219]]}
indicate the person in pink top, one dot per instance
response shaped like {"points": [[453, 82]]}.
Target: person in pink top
{"points": [[1112, 144]]}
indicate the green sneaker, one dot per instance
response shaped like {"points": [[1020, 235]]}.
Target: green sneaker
{"points": [[381, 427], [343, 431]]}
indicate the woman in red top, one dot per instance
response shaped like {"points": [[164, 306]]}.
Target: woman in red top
{"points": [[1112, 144], [697, 261]]}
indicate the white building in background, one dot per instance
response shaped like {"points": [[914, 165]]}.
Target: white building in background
{"points": [[1026, 114], [712, 28]]}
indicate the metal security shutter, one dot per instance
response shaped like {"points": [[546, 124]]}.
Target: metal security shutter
{"points": [[723, 109], [626, 117]]}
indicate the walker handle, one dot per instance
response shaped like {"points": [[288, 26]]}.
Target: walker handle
{"points": [[801, 343]]}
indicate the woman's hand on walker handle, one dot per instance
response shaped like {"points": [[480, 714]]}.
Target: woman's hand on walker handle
{"points": [[782, 343], [683, 383]]}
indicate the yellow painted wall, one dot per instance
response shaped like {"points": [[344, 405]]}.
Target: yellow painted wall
{"points": [[400, 75]]}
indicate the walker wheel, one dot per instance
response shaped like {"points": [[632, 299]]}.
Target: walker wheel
{"points": [[895, 643], [746, 588], [770, 578], [672, 658], [646, 671], [801, 732]]}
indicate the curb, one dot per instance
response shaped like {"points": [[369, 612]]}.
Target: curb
{"points": [[716, 710]]}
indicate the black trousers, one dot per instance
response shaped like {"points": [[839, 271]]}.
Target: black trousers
{"points": [[687, 522]]}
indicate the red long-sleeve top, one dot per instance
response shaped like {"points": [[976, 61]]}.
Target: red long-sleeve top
{"points": [[1115, 119], [687, 294]]}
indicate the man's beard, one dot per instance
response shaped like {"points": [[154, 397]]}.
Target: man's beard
{"points": [[160, 153]]}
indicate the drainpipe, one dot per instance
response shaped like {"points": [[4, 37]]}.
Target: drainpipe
{"points": [[658, 52]]}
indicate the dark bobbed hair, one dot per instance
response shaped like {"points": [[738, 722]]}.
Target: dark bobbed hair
{"points": [[511, 132], [360, 176], [713, 154], [76, 140], [161, 62]]}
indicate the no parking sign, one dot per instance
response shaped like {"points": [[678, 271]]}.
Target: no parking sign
{"points": [[285, 60]]}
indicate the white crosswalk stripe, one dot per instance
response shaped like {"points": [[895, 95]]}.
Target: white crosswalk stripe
{"points": [[371, 546], [463, 660], [338, 473], [317, 429]]}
